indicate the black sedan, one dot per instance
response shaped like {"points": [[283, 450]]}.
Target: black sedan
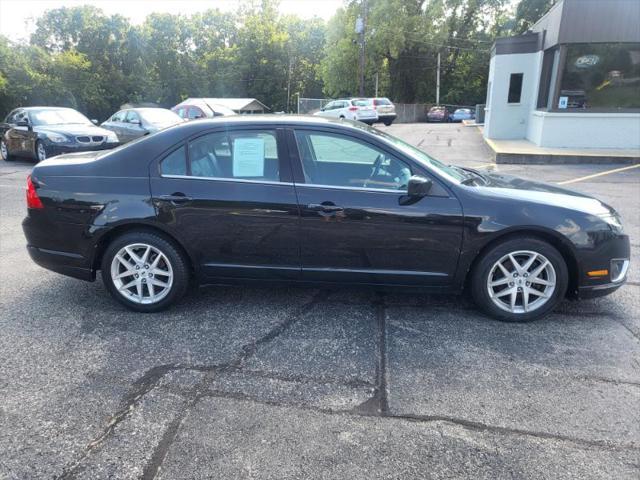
{"points": [[319, 201], [43, 132]]}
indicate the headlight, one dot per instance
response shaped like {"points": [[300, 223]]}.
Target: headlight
{"points": [[112, 137], [57, 138], [614, 221]]}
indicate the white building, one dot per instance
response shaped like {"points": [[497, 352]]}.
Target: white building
{"points": [[572, 81]]}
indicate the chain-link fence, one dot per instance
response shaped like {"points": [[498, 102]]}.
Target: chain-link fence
{"points": [[309, 106]]}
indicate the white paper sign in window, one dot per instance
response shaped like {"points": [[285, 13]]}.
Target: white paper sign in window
{"points": [[248, 157]]}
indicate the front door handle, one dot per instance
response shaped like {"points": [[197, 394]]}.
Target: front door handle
{"points": [[324, 207], [176, 198]]}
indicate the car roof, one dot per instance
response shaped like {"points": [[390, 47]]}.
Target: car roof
{"points": [[44, 108]]}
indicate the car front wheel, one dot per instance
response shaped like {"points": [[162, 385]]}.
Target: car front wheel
{"points": [[4, 151], [41, 151], [144, 271], [519, 280]]}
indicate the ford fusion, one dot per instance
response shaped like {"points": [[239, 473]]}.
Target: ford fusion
{"points": [[43, 132], [317, 201]]}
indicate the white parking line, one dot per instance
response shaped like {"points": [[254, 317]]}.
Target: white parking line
{"points": [[595, 175]]}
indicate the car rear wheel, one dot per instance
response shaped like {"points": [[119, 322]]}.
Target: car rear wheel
{"points": [[41, 151], [520, 280], [388, 123], [4, 151], [144, 271]]}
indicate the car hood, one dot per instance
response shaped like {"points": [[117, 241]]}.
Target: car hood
{"points": [[73, 130], [516, 188]]}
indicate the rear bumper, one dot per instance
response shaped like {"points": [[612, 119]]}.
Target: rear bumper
{"points": [[70, 264], [49, 245]]}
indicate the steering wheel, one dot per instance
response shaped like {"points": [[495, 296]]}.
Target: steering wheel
{"points": [[375, 170]]}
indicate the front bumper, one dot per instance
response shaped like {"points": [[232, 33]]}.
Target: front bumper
{"points": [[54, 149], [607, 256]]}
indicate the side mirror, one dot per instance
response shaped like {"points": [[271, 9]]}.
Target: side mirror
{"points": [[22, 123], [94, 121], [418, 187], [322, 109]]}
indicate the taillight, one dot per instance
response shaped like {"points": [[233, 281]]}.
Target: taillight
{"points": [[353, 109], [33, 200]]}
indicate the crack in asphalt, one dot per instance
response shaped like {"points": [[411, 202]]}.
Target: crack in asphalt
{"points": [[152, 377], [376, 406], [461, 422]]}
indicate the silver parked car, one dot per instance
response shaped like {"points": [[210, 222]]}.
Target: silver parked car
{"points": [[386, 110], [353, 109], [133, 123]]}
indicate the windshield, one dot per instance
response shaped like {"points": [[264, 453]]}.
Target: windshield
{"points": [[360, 103], [451, 172], [58, 117], [159, 116]]}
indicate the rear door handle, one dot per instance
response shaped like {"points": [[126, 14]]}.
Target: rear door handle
{"points": [[318, 207], [176, 198]]}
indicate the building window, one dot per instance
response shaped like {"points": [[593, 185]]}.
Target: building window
{"points": [[515, 88], [601, 76]]}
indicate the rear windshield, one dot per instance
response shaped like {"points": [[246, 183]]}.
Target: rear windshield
{"points": [[159, 116], [381, 101], [360, 103]]}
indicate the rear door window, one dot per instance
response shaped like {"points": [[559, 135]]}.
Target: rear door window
{"points": [[175, 163], [132, 117], [242, 155]]}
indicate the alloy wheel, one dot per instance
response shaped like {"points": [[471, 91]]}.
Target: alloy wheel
{"points": [[521, 281], [142, 273], [41, 152]]}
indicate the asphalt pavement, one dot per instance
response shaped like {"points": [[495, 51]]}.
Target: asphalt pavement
{"points": [[304, 383]]}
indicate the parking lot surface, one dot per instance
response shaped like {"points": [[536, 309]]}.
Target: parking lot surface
{"points": [[291, 382]]}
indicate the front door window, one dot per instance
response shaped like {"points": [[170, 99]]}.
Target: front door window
{"points": [[342, 161]]}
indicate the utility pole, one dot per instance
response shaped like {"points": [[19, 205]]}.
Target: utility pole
{"points": [[361, 25], [289, 82], [376, 84], [438, 82]]}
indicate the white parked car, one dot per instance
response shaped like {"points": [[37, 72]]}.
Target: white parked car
{"points": [[354, 109]]}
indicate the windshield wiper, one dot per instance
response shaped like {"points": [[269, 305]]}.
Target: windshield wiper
{"points": [[472, 175]]}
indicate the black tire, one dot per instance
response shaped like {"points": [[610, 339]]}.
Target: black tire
{"points": [[35, 153], [388, 123], [179, 265], [482, 270], [8, 157]]}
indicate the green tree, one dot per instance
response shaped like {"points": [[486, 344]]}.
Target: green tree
{"points": [[529, 12]]}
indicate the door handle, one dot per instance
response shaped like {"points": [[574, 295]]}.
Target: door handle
{"points": [[319, 207], [176, 198]]}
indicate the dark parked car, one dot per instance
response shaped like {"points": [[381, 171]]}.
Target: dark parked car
{"points": [[438, 114], [133, 123], [42, 132], [316, 200]]}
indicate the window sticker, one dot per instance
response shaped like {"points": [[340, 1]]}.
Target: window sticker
{"points": [[248, 157], [563, 102]]}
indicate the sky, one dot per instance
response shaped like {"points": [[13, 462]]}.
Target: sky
{"points": [[17, 16]]}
